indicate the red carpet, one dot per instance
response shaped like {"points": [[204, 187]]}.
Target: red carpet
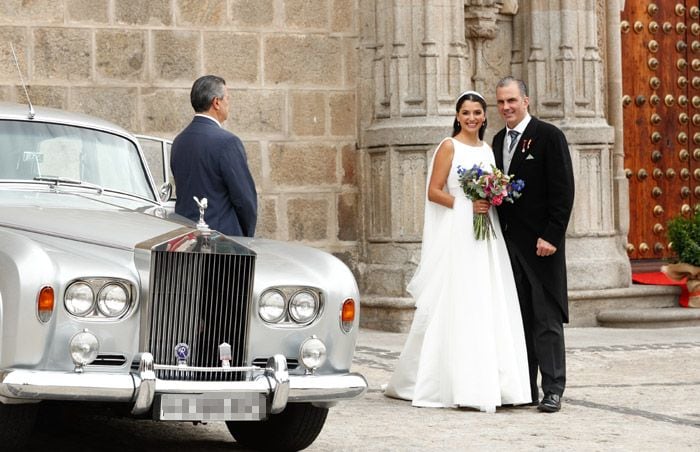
{"points": [[659, 279]]}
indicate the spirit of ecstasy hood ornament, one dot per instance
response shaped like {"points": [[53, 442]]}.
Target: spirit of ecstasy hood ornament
{"points": [[201, 224]]}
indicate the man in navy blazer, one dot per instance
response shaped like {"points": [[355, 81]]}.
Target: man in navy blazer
{"points": [[210, 162], [534, 228]]}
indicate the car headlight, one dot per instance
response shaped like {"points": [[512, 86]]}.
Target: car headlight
{"points": [[271, 306], [113, 300], [303, 307], [79, 299], [99, 298]]}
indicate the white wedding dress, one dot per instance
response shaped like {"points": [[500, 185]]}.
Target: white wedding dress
{"points": [[466, 345]]}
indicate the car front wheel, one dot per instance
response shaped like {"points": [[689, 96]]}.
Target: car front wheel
{"points": [[16, 424], [293, 429]]}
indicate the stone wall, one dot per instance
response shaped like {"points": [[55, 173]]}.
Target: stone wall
{"points": [[290, 66]]}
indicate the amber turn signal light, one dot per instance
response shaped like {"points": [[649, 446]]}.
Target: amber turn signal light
{"points": [[45, 303], [347, 315]]}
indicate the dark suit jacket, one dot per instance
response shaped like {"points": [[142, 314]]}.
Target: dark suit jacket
{"points": [[542, 160], [208, 161]]}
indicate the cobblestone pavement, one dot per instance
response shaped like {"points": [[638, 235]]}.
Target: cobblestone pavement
{"points": [[628, 390]]}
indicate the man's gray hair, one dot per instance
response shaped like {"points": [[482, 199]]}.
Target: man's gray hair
{"points": [[522, 87], [204, 90]]}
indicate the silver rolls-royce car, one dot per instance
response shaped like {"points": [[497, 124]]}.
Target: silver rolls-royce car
{"points": [[107, 297]]}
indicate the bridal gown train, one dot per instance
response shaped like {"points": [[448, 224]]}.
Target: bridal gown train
{"points": [[466, 345]]}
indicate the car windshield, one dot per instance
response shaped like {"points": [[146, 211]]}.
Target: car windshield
{"points": [[36, 151]]}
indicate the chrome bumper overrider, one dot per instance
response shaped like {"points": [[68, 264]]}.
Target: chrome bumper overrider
{"points": [[142, 387]]}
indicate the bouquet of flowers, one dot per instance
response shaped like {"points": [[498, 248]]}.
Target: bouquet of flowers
{"points": [[495, 187]]}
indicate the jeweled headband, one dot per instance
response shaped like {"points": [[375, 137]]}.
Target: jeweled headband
{"points": [[473, 93]]}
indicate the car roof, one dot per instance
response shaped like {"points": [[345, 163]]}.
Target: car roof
{"points": [[10, 110]]}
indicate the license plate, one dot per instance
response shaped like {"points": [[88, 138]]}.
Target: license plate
{"points": [[212, 407]]}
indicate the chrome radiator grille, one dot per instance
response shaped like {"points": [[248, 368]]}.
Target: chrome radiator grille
{"points": [[200, 299]]}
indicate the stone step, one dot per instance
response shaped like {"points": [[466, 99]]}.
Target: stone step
{"points": [[585, 306], [668, 317], [603, 307]]}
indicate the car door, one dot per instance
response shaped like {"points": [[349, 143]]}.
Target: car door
{"points": [[157, 153]]}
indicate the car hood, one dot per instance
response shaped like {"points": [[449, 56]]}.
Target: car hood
{"points": [[92, 221], [124, 224], [285, 263]]}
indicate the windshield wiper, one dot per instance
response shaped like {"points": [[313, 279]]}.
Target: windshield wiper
{"points": [[68, 181]]}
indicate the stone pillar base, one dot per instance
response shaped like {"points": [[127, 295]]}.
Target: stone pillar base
{"points": [[596, 263], [387, 314]]}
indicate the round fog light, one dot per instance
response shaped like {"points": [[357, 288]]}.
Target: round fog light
{"points": [[83, 349], [313, 353]]}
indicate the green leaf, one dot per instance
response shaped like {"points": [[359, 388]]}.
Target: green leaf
{"points": [[684, 234]]}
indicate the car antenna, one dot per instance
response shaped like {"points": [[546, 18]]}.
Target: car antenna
{"points": [[31, 108]]}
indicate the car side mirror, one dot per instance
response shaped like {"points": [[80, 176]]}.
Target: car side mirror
{"points": [[165, 191]]}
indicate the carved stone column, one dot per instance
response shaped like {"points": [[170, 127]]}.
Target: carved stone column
{"points": [[614, 77], [480, 17], [419, 60]]}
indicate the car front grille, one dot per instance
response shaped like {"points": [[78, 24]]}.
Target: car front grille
{"points": [[202, 300]]}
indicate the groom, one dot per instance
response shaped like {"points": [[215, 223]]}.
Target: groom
{"points": [[534, 228]]}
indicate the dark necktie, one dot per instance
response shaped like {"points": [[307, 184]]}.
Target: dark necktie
{"points": [[513, 140], [508, 156]]}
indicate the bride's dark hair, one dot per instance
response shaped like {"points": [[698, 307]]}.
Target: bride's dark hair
{"points": [[474, 97]]}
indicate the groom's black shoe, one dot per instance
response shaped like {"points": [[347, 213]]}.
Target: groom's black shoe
{"points": [[551, 403]]}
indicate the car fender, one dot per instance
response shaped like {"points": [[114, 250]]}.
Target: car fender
{"points": [[24, 269]]}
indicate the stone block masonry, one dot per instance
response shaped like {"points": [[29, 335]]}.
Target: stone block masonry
{"points": [[290, 69]]}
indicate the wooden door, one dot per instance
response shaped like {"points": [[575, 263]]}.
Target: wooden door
{"points": [[661, 100]]}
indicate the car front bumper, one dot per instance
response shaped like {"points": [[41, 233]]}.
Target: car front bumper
{"points": [[142, 389]]}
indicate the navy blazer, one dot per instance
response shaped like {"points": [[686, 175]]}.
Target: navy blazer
{"points": [[542, 159], [208, 161]]}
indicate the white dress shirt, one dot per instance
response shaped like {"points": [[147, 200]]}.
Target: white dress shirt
{"points": [[520, 128]]}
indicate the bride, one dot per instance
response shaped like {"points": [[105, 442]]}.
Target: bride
{"points": [[466, 346]]}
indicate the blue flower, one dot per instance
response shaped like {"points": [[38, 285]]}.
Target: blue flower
{"points": [[518, 185]]}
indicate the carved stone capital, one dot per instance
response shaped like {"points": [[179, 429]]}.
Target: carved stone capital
{"points": [[480, 18]]}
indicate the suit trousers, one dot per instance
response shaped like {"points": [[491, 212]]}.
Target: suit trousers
{"points": [[543, 324]]}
